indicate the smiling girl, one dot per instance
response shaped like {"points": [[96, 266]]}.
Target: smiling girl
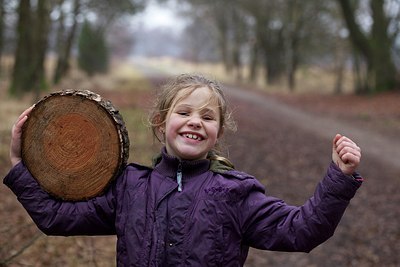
{"points": [[192, 208]]}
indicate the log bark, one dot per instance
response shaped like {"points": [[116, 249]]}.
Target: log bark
{"points": [[75, 143]]}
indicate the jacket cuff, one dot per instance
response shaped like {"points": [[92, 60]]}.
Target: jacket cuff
{"points": [[341, 184]]}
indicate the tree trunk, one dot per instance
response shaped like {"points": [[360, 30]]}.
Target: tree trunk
{"points": [[292, 76], [23, 67], [254, 53], [42, 28], [383, 67], [75, 143], [2, 22], [239, 37], [65, 45], [360, 74], [339, 70], [376, 49], [275, 57], [33, 29], [293, 62], [221, 21], [294, 27], [339, 65]]}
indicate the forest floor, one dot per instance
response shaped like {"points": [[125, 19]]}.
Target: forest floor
{"points": [[285, 141]]}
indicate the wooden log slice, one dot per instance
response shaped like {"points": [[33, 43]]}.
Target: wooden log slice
{"points": [[74, 143]]}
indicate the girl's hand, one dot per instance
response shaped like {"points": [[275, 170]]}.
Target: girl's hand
{"points": [[346, 154], [15, 147]]}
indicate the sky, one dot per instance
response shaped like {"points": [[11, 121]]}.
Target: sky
{"points": [[159, 30], [158, 16]]}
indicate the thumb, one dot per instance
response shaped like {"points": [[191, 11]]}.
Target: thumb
{"points": [[335, 139], [335, 155]]}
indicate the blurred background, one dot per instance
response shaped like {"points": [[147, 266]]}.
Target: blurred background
{"points": [[268, 42], [303, 70]]}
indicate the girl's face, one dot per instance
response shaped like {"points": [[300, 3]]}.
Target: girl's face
{"points": [[192, 126]]}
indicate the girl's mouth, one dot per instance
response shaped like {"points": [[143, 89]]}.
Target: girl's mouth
{"points": [[193, 136]]}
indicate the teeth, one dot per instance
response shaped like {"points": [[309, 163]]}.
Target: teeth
{"points": [[193, 136]]}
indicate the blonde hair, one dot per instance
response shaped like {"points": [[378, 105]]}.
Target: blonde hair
{"points": [[167, 97]]}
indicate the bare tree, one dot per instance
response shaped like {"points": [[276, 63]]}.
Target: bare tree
{"points": [[375, 46], [22, 73], [40, 43], [106, 13], [33, 28], [65, 39], [269, 36], [282, 35], [2, 20]]}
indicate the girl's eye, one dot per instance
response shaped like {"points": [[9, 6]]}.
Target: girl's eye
{"points": [[183, 113], [208, 118]]}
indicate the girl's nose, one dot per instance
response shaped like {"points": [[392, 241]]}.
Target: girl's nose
{"points": [[194, 122]]}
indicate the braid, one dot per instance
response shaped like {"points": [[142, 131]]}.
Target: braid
{"points": [[213, 155]]}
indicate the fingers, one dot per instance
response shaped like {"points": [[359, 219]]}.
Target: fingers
{"points": [[21, 120], [347, 149], [335, 139], [16, 132], [26, 112], [348, 153]]}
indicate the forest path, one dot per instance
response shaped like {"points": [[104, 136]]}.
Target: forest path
{"points": [[383, 148], [288, 150]]}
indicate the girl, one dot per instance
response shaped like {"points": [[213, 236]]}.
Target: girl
{"points": [[192, 208]]}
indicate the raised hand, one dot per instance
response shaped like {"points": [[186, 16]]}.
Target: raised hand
{"points": [[346, 154], [15, 146]]}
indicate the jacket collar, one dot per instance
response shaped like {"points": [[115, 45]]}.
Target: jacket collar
{"points": [[169, 165]]}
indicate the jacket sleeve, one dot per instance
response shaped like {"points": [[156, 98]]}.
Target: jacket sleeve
{"points": [[269, 223], [56, 217]]}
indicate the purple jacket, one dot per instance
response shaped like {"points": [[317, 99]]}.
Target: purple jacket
{"points": [[213, 221]]}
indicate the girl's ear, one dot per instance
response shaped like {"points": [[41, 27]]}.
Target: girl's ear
{"points": [[160, 134], [157, 121]]}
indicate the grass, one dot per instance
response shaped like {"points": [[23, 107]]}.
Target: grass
{"points": [[10, 109], [142, 146], [309, 80]]}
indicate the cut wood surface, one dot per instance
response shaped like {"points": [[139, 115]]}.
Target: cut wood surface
{"points": [[75, 143]]}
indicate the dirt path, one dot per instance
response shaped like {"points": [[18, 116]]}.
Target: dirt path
{"points": [[288, 149], [383, 149]]}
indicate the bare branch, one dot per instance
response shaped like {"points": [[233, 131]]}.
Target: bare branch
{"points": [[6, 261]]}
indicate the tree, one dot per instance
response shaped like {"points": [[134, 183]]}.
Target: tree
{"points": [[92, 50], [33, 29], [281, 36], [269, 37], [194, 48], [375, 46], [65, 40], [106, 13], [2, 20], [227, 29], [40, 41], [22, 72]]}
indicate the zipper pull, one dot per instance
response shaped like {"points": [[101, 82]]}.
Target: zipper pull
{"points": [[179, 177]]}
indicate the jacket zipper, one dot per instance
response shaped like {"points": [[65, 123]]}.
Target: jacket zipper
{"points": [[179, 177]]}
